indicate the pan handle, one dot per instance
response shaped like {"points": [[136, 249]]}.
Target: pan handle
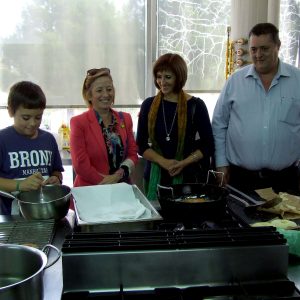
{"points": [[56, 258], [239, 199], [240, 193], [214, 173], [166, 188]]}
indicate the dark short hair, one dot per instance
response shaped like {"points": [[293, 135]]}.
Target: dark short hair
{"points": [[175, 63], [91, 76], [266, 28], [27, 94]]}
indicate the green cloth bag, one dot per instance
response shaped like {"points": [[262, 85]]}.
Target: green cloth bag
{"points": [[293, 240]]}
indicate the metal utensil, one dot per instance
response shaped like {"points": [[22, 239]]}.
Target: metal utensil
{"points": [[163, 191], [251, 202], [41, 194], [263, 204]]}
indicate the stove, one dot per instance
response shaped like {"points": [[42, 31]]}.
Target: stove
{"points": [[221, 258], [152, 259]]}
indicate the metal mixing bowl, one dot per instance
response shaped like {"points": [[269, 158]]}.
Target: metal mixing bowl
{"points": [[49, 202]]}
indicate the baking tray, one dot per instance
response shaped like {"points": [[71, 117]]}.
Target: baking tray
{"points": [[127, 225]]}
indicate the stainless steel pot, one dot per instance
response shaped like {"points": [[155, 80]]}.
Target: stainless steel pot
{"points": [[49, 202], [21, 272]]}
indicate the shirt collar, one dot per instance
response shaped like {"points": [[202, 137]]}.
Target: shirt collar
{"points": [[282, 71], [99, 119]]}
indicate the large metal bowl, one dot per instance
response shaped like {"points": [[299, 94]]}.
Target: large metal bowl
{"points": [[49, 202]]}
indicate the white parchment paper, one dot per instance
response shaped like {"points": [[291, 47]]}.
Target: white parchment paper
{"points": [[108, 203]]}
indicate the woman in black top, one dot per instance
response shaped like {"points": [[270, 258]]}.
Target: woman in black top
{"points": [[174, 131]]}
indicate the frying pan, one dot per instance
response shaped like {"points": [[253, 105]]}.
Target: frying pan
{"points": [[174, 204]]}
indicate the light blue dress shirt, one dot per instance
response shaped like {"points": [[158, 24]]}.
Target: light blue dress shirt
{"points": [[254, 128]]}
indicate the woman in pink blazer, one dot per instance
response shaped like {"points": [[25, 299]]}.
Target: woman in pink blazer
{"points": [[103, 148]]}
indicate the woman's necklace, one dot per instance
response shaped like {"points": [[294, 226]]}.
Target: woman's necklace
{"points": [[168, 133]]}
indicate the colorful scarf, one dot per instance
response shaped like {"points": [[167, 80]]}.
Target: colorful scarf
{"points": [[155, 173], [113, 142]]}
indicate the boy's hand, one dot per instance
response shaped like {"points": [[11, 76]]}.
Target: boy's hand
{"points": [[52, 180], [32, 182]]}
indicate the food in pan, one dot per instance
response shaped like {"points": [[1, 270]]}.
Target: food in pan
{"points": [[194, 200]]}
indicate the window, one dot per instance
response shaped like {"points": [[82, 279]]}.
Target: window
{"points": [[54, 43], [197, 30], [290, 31]]}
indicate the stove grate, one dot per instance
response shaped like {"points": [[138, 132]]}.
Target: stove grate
{"points": [[184, 239]]}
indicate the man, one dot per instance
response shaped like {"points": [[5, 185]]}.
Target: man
{"points": [[256, 121]]}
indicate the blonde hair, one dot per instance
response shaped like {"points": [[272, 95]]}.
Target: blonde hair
{"points": [[91, 76]]}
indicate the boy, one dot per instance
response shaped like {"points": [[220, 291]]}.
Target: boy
{"points": [[26, 151]]}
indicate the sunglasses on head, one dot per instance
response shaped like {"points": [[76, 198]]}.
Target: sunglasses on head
{"points": [[93, 72]]}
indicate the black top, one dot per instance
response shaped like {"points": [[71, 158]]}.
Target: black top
{"points": [[198, 132]]}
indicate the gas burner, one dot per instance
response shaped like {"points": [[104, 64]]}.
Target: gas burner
{"points": [[188, 226], [210, 225], [227, 221]]}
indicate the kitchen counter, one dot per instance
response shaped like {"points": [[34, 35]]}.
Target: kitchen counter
{"points": [[53, 277]]}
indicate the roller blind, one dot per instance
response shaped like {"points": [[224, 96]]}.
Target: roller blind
{"points": [[54, 43]]}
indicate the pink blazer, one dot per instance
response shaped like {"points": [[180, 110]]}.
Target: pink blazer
{"points": [[88, 149]]}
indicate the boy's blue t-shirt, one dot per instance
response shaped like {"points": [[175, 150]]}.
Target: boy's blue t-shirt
{"points": [[20, 156]]}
